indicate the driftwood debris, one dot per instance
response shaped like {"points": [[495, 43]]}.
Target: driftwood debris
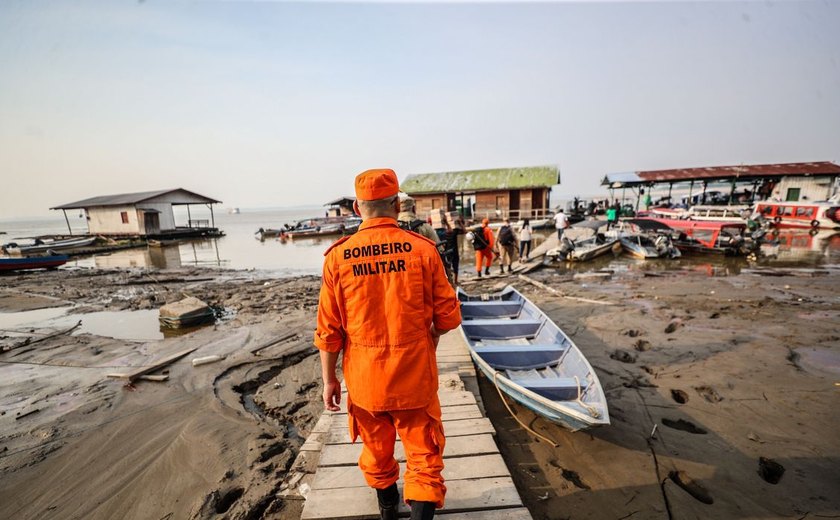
{"points": [[156, 378], [206, 359], [273, 342], [27, 413], [29, 341], [559, 293], [132, 376]]}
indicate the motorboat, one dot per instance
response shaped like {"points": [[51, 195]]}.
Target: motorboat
{"points": [[42, 246], [33, 262], [584, 241]]}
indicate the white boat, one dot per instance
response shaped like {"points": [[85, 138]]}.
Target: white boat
{"points": [[42, 246], [583, 241], [531, 360], [647, 243]]}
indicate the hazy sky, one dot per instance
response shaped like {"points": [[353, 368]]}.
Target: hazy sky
{"points": [[279, 103]]}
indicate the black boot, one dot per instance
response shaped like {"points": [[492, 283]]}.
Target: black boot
{"points": [[422, 510], [487, 271], [389, 499]]}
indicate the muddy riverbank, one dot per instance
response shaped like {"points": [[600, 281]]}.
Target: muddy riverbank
{"points": [[737, 374]]}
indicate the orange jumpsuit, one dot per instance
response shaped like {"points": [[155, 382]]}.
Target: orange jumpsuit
{"points": [[485, 256], [382, 289]]}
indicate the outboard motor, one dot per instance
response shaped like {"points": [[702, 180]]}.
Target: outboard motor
{"points": [[566, 247], [661, 244]]}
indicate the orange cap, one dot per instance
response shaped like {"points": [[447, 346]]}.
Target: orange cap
{"points": [[376, 184], [485, 221]]}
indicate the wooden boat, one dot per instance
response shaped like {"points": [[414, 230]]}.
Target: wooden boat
{"points": [[531, 360], [705, 237], [324, 227], [42, 246], [33, 262], [582, 242]]}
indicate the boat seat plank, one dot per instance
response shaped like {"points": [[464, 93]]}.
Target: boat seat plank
{"points": [[557, 389], [491, 309], [501, 328], [520, 357]]}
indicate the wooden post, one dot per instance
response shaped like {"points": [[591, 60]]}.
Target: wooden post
{"points": [[189, 217], [68, 222], [212, 219], [690, 190], [670, 187]]}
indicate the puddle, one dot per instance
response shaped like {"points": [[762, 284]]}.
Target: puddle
{"points": [[22, 320], [819, 358], [130, 325]]}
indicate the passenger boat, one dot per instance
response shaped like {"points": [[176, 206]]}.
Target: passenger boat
{"points": [[706, 237], [582, 242], [531, 360], [806, 214], [42, 246], [33, 262]]}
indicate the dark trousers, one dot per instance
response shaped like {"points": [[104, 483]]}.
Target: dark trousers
{"points": [[524, 248]]}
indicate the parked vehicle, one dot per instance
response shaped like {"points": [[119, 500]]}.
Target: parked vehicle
{"points": [[531, 360]]}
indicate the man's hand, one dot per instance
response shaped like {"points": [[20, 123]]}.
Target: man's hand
{"points": [[435, 335], [332, 395]]}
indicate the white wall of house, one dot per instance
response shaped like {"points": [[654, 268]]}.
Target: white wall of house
{"points": [[109, 221], [167, 216], [814, 188]]}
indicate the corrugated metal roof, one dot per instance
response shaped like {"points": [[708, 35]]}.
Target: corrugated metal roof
{"points": [[754, 170], [622, 179], [123, 199], [482, 180]]}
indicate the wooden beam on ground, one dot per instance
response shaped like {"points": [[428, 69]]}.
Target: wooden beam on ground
{"points": [[273, 342], [131, 376], [558, 293]]}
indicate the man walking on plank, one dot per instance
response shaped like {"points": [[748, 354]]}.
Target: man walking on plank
{"points": [[384, 302]]}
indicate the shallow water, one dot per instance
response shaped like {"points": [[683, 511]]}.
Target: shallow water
{"points": [[129, 325]]}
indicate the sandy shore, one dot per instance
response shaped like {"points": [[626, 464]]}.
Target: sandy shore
{"points": [[737, 373]]}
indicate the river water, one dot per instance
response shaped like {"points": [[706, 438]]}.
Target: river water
{"points": [[240, 248]]}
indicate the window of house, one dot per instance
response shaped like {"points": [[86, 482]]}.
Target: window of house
{"points": [[792, 194], [124, 217]]}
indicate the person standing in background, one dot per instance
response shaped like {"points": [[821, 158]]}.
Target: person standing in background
{"points": [[561, 222], [506, 241], [483, 244], [525, 241]]}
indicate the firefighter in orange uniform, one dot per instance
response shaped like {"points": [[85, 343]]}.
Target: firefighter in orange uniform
{"points": [[384, 303], [485, 255]]}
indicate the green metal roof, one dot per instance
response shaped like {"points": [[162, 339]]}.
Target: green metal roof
{"points": [[482, 180]]}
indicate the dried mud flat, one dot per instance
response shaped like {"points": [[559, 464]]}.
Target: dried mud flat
{"points": [[736, 373], [214, 441]]}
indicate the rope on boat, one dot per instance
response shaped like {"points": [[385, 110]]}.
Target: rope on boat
{"points": [[501, 395], [589, 408]]}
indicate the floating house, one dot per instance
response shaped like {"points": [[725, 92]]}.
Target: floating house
{"points": [[745, 183], [147, 214], [499, 193], [340, 207]]}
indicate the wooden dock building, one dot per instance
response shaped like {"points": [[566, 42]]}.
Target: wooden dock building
{"points": [[146, 214], [498, 193]]}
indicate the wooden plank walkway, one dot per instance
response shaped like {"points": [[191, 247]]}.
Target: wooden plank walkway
{"points": [[479, 485]]}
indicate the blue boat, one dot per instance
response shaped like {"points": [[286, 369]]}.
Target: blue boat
{"points": [[33, 262], [531, 360]]}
